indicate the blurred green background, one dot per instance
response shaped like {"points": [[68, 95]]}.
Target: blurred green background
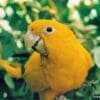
{"points": [[82, 16]]}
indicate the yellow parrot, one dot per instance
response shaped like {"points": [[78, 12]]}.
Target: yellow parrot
{"points": [[58, 64]]}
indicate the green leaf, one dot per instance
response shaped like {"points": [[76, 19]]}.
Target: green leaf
{"points": [[8, 44], [79, 94], [9, 81], [97, 73], [96, 91]]}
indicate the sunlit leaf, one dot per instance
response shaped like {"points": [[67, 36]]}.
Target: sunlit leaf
{"points": [[96, 53], [9, 81]]}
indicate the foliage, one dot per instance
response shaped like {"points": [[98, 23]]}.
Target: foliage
{"points": [[82, 16]]}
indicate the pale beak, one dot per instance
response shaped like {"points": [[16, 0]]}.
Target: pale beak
{"points": [[34, 42]]}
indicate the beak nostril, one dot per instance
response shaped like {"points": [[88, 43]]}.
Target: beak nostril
{"points": [[32, 29]]}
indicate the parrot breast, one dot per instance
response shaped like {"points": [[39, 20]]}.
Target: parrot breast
{"points": [[64, 69]]}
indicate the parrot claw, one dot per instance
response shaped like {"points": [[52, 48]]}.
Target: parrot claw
{"points": [[62, 97]]}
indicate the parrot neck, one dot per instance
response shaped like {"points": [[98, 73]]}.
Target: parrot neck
{"points": [[44, 60], [62, 50], [61, 53]]}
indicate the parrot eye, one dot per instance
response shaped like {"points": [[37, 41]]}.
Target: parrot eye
{"points": [[49, 29]]}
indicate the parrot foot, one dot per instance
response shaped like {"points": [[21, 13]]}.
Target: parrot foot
{"points": [[62, 97]]}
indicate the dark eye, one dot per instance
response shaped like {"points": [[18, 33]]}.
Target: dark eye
{"points": [[49, 30]]}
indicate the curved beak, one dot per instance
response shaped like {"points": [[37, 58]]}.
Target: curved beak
{"points": [[34, 42]]}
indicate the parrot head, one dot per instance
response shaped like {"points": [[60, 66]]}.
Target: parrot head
{"points": [[44, 35]]}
